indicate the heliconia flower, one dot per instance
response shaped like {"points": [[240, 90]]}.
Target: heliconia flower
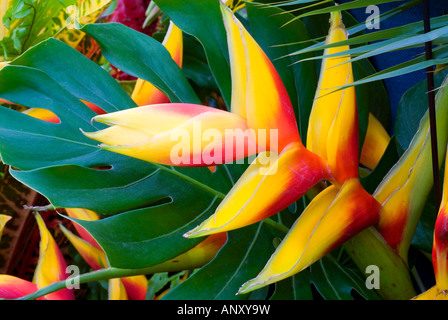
{"points": [[257, 196], [144, 92], [266, 117], [176, 134], [375, 143], [262, 114], [284, 169], [332, 217], [12, 287], [3, 220], [95, 257], [343, 209], [404, 190], [333, 123], [51, 266]]}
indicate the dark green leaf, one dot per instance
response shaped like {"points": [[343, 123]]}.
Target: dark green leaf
{"points": [[392, 33], [143, 57], [337, 283], [149, 236], [241, 259], [80, 76], [209, 30], [346, 6], [297, 287], [413, 105]]}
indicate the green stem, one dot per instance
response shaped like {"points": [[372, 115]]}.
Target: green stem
{"points": [[31, 27], [111, 273], [277, 226], [369, 248], [98, 275]]}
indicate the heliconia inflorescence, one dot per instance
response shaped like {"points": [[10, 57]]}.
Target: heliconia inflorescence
{"points": [[51, 267], [284, 169]]}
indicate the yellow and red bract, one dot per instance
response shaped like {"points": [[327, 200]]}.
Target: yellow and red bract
{"points": [[51, 266], [284, 169], [12, 287]]}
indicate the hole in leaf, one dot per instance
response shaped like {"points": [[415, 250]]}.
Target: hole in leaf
{"points": [[102, 167], [42, 114]]}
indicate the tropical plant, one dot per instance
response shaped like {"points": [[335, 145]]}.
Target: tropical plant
{"points": [[245, 163]]}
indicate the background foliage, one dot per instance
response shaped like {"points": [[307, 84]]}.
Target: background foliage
{"points": [[147, 207]]}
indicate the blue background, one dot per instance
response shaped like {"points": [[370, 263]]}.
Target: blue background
{"points": [[397, 86]]}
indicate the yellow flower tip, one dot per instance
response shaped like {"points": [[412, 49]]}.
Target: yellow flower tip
{"points": [[94, 136], [103, 118], [336, 19], [252, 285], [199, 231], [3, 220]]}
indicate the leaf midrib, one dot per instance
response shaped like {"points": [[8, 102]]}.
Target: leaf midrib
{"points": [[159, 166]]}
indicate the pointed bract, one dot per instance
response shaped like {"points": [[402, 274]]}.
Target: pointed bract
{"points": [[177, 134], [3, 220], [271, 183], [47, 115], [51, 266], [136, 287], [13, 288], [332, 217], [267, 103], [333, 123], [404, 190], [375, 143]]}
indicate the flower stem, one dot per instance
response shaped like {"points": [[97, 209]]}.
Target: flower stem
{"points": [[368, 248], [277, 226], [97, 275]]}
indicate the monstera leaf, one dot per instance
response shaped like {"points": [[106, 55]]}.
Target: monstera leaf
{"points": [[57, 160]]}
